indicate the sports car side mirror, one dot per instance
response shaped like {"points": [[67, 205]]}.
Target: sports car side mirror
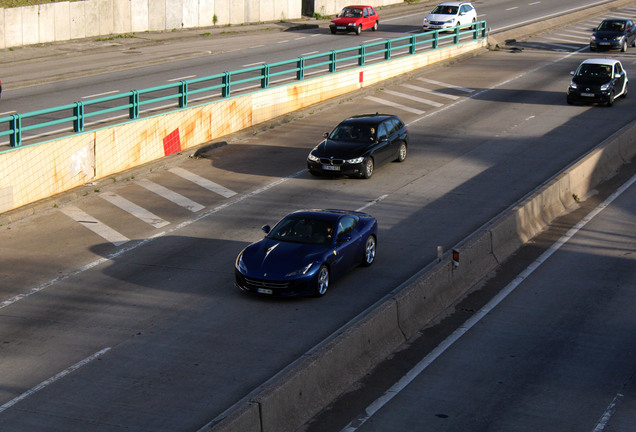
{"points": [[325, 135], [266, 229]]}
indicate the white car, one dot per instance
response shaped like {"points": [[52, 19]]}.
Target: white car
{"points": [[450, 14]]}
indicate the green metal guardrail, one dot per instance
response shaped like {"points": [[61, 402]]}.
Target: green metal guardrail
{"points": [[223, 85]]}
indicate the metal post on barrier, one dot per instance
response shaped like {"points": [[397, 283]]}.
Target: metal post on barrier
{"points": [[265, 76], [332, 61], [78, 113], [436, 39], [361, 55], [16, 130], [183, 94], [133, 100], [300, 65], [225, 92], [413, 44], [387, 52], [456, 36]]}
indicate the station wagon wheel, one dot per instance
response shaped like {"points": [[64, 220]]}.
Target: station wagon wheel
{"points": [[375, 27], [401, 153], [368, 168], [369, 252], [358, 29], [322, 281]]}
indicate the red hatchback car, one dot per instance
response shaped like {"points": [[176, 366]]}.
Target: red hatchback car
{"points": [[355, 19]]}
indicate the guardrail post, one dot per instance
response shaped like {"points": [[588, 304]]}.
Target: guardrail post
{"points": [[133, 100], [265, 76], [456, 37], [300, 65], [361, 55], [225, 92], [387, 52], [183, 94], [436, 39], [16, 127], [413, 44], [332, 61], [78, 113]]}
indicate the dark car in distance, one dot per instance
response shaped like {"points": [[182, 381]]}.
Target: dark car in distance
{"points": [[359, 144], [613, 33], [598, 81], [305, 252]]}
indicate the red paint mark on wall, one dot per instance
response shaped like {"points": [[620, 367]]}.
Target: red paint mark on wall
{"points": [[361, 76], [172, 143]]}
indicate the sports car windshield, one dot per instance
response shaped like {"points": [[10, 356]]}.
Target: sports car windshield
{"points": [[302, 229], [350, 13], [445, 10], [353, 132]]}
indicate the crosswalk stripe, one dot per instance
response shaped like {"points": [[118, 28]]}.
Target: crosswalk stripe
{"points": [[134, 209], [414, 98], [104, 231], [395, 105], [203, 182], [425, 90], [170, 195], [467, 90]]}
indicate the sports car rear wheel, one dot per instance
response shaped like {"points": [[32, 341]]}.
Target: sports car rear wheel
{"points": [[322, 281], [369, 252]]}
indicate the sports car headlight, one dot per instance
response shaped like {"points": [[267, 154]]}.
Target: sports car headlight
{"points": [[355, 160], [301, 271], [313, 158], [240, 264], [605, 86], [573, 85], [351, 24], [593, 38]]}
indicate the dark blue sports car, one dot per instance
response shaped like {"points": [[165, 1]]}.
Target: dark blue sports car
{"points": [[305, 251]]}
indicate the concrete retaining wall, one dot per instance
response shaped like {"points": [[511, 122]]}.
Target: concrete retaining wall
{"points": [[293, 397], [39, 171], [62, 21]]}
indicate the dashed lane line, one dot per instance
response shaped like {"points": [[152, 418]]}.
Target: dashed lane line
{"points": [[134, 209], [99, 228], [170, 195], [203, 182]]}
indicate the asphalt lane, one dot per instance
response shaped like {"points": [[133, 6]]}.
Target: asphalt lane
{"points": [[552, 351], [162, 340]]}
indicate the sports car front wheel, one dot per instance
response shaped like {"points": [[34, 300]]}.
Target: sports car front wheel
{"points": [[322, 281], [369, 252]]}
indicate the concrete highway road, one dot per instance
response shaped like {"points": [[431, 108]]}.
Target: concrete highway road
{"points": [[545, 345], [119, 316]]}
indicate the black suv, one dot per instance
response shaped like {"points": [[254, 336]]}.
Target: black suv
{"points": [[359, 144]]}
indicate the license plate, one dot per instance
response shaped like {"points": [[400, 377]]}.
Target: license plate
{"points": [[604, 43], [265, 291], [331, 168], [587, 94], [341, 28]]}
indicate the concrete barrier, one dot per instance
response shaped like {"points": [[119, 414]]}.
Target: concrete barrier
{"points": [[32, 173]]}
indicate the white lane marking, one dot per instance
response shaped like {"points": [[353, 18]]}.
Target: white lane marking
{"points": [[299, 38], [534, 3], [99, 94], [135, 210], [283, 41], [309, 53], [464, 89], [372, 40], [434, 92], [203, 182], [51, 380], [86, 220], [512, 8], [170, 195], [395, 105], [8, 112], [463, 329], [257, 46], [370, 203], [414, 98], [182, 78], [145, 241], [253, 64], [607, 415]]}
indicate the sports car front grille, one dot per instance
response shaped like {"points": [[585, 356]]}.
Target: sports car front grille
{"points": [[328, 161], [268, 284]]}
